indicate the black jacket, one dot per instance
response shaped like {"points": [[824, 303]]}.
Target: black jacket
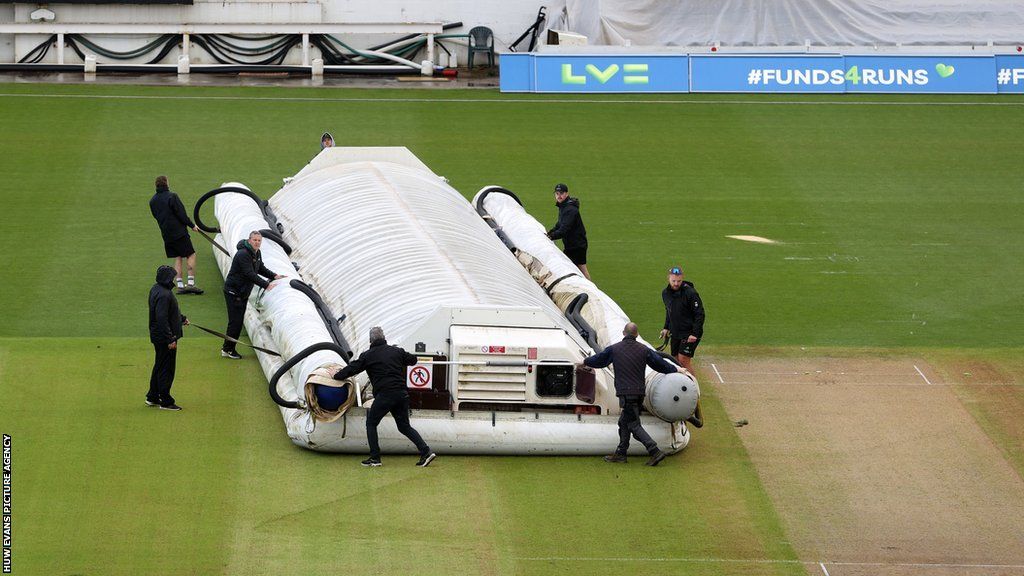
{"points": [[165, 319], [629, 358], [570, 225], [246, 270], [385, 365], [684, 312], [170, 214]]}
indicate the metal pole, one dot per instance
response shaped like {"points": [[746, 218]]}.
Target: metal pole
{"points": [[60, 48], [501, 363]]}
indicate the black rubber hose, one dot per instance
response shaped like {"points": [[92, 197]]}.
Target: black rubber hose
{"points": [[128, 54], [326, 315], [74, 46], [197, 69], [222, 52], [171, 44], [37, 54], [448, 26], [490, 221], [572, 313], [273, 235], [480, 201], [329, 346], [213, 229], [697, 419]]}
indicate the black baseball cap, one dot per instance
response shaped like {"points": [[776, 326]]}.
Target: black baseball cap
{"points": [[561, 188]]}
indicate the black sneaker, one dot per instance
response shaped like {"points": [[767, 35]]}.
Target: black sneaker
{"points": [[172, 407], [426, 460], [371, 462], [151, 404], [615, 458], [656, 458], [193, 289], [181, 290], [231, 354]]}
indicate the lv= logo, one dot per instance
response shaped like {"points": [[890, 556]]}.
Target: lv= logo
{"points": [[631, 74]]}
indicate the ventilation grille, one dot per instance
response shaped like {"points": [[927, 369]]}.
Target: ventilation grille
{"points": [[491, 383]]}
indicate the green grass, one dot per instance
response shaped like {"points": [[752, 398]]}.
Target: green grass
{"points": [[121, 489], [900, 229]]}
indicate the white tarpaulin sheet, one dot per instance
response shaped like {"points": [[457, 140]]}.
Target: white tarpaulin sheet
{"points": [[791, 22]]}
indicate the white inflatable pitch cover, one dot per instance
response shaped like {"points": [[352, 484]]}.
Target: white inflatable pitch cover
{"points": [[386, 242], [672, 397]]}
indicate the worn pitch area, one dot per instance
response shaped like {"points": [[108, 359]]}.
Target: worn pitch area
{"points": [[881, 465]]}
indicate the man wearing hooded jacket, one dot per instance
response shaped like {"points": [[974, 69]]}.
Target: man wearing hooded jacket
{"points": [[684, 316], [165, 322], [174, 223], [247, 270], [570, 228]]}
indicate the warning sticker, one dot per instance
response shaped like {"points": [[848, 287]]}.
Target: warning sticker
{"points": [[420, 377]]}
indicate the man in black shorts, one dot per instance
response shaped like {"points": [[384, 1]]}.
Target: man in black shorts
{"points": [[570, 229], [174, 224], [684, 316]]}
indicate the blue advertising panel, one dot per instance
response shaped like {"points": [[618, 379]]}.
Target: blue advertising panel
{"points": [[516, 72], [921, 74], [766, 73], [1010, 74], [769, 73], [639, 73]]}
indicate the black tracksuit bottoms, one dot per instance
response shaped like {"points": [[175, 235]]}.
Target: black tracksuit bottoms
{"points": [[629, 424], [163, 375], [397, 403], [236, 314]]}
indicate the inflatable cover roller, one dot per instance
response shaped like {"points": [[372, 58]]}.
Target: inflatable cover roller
{"points": [[672, 397]]}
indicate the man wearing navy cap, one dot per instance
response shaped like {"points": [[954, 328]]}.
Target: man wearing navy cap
{"points": [[570, 229], [684, 316]]}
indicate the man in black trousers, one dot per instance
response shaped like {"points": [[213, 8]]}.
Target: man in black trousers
{"points": [[386, 366], [165, 322], [247, 270], [628, 358], [570, 228]]}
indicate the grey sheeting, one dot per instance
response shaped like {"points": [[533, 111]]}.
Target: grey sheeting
{"points": [[791, 22]]}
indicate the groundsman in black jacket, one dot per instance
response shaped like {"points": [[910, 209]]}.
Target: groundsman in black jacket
{"points": [[570, 228], [247, 270], [386, 365], [684, 316], [165, 323], [174, 223], [628, 358]]}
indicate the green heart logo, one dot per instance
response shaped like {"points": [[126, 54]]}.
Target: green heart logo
{"points": [[944, 71]]}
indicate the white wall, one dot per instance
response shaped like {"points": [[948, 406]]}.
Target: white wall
{"points": [[508, 19]]}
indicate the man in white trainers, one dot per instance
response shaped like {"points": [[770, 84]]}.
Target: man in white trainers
{"points": [[174, 223]]}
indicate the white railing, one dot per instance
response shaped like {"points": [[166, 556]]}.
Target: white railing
{"points": [[429, 29]]}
